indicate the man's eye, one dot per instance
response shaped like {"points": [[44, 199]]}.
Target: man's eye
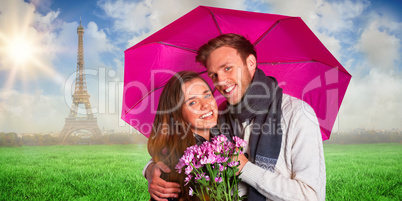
{"points": [[228, 68], [213, 76]]}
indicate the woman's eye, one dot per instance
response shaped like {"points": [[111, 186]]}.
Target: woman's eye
{"points": [[191, 103], [208, 95], [213, 76]]}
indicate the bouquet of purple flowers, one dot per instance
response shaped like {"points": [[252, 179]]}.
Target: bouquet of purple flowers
{"points": [[211, 167]]}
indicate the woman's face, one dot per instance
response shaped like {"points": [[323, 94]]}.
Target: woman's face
{"points": [[199, 107]]}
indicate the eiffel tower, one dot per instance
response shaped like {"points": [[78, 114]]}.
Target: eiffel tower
{"points": [[80, 96]]}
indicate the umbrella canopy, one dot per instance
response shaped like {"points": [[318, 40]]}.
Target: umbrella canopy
{"points": [[286, 49]]}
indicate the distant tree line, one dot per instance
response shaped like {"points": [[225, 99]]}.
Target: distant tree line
{"points": [[355, 137], [365, 137], [12, 139]]}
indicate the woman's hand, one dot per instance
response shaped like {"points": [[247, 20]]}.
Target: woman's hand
{"points": [[158, 188]]}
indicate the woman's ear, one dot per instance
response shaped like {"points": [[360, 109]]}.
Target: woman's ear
{"points": [[251, 63]]}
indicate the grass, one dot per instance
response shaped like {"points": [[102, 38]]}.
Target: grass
{"points": [[113, 172], [364, 171], [73, 173]]}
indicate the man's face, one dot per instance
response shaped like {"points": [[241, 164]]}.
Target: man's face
{"points": [[230, 75]]}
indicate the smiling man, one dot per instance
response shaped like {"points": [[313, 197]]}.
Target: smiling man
{"points": [[284, 157], [229, 78]]}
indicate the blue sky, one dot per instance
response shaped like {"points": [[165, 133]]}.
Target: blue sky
{"points": [[35, 91]]}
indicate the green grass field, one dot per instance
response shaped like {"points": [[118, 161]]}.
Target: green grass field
{"points": [[113, 172]]}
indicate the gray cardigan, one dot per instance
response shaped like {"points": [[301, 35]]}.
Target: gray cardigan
{"points": [[300, 170]]}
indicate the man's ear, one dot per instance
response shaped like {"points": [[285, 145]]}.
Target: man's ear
{"points": [[251, 63]]}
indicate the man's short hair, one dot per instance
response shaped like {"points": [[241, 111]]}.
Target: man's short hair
{"points": [[236, 41]]}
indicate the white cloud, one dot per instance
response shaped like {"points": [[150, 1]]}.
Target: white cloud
{"points": [[306, 9], [20, 23], [67, 41], [325, 19], [338, 16], [332, 44], [382, 49], [321, 15], [96, 42], [130, 16], [43, 5], [142, 18], [22, 112], [373, 101]]}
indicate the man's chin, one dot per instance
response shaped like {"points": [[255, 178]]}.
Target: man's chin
{"points": [[233, 100]]}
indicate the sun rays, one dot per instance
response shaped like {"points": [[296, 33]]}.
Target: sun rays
{"points": [[25, 51]]}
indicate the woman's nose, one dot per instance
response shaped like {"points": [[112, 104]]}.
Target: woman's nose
{"points": [[204, 104]]}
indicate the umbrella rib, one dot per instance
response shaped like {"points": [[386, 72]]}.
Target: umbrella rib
{"points": [[139, 101], [269, 30], [215, 21], [301, 61], [291, 62], [176, 46]]}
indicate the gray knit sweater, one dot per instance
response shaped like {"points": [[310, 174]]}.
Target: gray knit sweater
{"points": [[300, 170]]}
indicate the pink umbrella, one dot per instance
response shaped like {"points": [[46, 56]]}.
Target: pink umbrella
{"points": [[286, 49]]}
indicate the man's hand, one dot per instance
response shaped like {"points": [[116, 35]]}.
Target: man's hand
{"points": [[242, 160], [158, 188]]}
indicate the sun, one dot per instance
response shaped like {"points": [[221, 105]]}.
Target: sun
{"points": [[26, 57], [20, 51], [28, 47]]}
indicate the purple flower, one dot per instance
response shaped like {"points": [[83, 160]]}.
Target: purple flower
{"points": [[200, 176], [216, 154], [217, 148], [191, 192], [218, 179], [219, 139], [221, 159], [187, 179], [239, 142], [210, 159], [221, 168], [180, 165], [197, 165], [188, 170], [233, 163]]}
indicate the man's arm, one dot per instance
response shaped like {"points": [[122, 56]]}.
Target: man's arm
{"points": [[158, 188], [144, 171], [307, 176]]}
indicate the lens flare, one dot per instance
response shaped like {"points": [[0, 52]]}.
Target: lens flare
{"points": [[20, 51], [26, 53]]}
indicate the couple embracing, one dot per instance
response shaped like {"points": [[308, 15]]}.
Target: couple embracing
{"points": [[283, 158]]}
